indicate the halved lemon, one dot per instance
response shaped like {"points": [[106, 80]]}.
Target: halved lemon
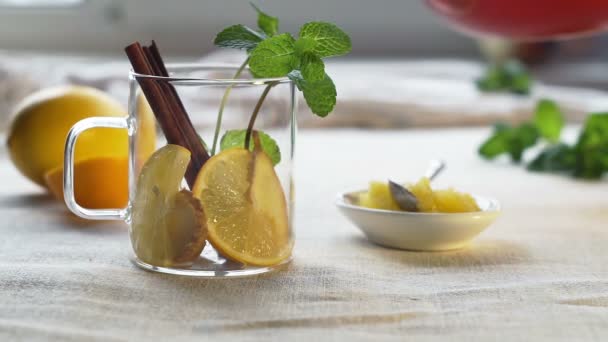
{"points": [[100, 182], [245, 207]]}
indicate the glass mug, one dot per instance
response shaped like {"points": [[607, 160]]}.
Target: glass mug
{"points": [[244, 207]]}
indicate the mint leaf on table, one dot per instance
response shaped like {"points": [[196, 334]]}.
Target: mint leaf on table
{"points": [[595, 131], [494, 80], [555, 158], [588, 158], [517, 76], [520, 84], [238, 37], [312, 67], [320, 95], [592, 147], [497, 144], [274, 57], [329, 39], [522, 137], [509, 140], [267, 23], [236, 138], [549, 120], [511, 76]]}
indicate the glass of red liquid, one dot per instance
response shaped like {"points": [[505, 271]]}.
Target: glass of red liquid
{"points": [[524, 20]]}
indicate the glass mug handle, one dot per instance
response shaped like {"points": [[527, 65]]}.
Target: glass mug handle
{"points": [[68, 167]]}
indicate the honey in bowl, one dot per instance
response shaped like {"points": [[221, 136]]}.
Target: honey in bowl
{"points": [[380, 196]]}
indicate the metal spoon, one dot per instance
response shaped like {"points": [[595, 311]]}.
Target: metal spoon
{"points": [[436, 166], [405, 199]]}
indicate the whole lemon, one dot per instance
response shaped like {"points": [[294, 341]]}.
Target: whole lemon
{"points": [[36, 137]]}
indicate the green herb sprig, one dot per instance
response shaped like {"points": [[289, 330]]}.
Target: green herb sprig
{"points": [[587, 158], [271, 54], [510, 76]]}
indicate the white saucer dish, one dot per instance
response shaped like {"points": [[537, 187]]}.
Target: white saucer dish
{"points": [[419, 231]]}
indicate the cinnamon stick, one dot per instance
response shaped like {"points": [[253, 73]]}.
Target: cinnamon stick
{"points": [[167, 106]]}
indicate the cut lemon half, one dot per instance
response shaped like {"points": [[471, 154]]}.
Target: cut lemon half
{"points": [[245, 207], [168, 226], [99, 183]]}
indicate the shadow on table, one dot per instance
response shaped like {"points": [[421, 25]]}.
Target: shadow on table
{"points": [[56, 211], [479, 253], [33, 201]]}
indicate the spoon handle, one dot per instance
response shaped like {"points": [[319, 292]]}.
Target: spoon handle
{"points": [[435, 168]]}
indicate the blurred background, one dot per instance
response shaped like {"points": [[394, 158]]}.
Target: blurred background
{"points": [[411, 68]]}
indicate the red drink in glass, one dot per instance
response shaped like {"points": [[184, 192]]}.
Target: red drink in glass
{"points": [[525, 19]]}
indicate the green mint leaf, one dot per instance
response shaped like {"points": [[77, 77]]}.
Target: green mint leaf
{"points": [[312, 67], [304, 45], [330, 39], [522, 137], [510, 140], [274, 57], [595, 131], [521, 84], [238, 37], [519, 81], [511, 76], [497, 143], [592, 147], [236, 138], [555, 158], [549, 120], [494, 79], [320, 95], [268, 24]]}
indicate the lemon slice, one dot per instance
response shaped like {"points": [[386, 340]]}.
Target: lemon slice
{"points": [[168, 226], [245, 207]]}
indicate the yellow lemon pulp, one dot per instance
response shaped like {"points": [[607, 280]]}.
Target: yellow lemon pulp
{"points": [[429, 201], [98, 182], [245, 207], [378, 197]]}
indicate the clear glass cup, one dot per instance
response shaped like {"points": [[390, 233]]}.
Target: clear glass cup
{"points": [[201, 90]]}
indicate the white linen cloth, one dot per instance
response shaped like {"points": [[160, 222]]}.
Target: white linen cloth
{"points": [[539, 273], [372, 93]]}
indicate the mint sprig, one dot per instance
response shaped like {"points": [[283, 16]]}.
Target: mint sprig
{"points": [[272, 54], [509, 140], [301, 61], [510, 76], [592, 148], [588, 158], [236, 138], [548, 123], [554, 158]]}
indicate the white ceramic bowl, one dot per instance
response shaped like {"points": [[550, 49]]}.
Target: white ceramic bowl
{"points": [[419, 231]]}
